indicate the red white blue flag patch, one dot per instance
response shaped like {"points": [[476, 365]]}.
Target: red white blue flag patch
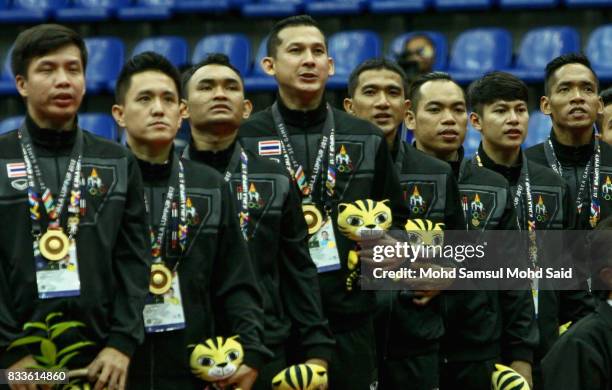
{"points": [[14, 170], [269, 148]]}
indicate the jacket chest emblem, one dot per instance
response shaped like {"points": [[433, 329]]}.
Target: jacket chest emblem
{"points": [[343, 161], [95, 186], [254, 198], [193, 218], [606, 189], [416, 202], [541, 212], [475, 210]]}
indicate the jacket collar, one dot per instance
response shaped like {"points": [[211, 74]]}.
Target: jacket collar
{"points": [[302, 119]]}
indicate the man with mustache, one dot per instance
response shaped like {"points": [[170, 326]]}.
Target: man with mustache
{"points": [[81, 203], [333, 157], [481, 327], [499, 104]]}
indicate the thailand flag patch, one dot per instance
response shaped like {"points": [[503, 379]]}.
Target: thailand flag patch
{"points": [[269, 148], [15, 170]]}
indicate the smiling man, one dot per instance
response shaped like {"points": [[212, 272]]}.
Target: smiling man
{"points": [[92, 217], [333, 157]]}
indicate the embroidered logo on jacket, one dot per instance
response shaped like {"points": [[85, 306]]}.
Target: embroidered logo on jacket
{"points": [[343, 161], [269, 148], [15, 170], [95, 186]]}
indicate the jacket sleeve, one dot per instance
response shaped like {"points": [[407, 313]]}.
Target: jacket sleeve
{"points": [[299, 283], [573, 364], [454, 219], [237, 301], [387, 185], [131, 267]]}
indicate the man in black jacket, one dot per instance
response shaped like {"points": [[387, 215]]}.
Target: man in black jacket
{"points": [[409, 325], [499, 104], [582, 358], [206, 264], [572, 150], [333, 157], [604, 121], [481, 327], [272, 221], [68, 197]]}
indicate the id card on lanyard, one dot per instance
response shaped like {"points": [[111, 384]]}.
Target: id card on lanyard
{"points": [[164, 312]]}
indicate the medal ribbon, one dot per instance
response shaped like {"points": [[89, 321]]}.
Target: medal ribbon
{"points": [[295, 169], [243, 214], [555, 164], [73, 176], [525, 182]]}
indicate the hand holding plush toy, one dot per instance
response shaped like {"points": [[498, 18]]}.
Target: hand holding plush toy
{"points": [[216, 359]]}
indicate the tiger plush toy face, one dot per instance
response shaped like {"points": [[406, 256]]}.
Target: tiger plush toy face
{"points": [[364, 219], [217, 358], [424, 232], [300, 377]]}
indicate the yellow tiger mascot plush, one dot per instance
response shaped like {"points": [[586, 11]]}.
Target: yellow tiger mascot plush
{"points": [[300, 377], [216, 359], [362, 220], [424, 232], [505, 378]]}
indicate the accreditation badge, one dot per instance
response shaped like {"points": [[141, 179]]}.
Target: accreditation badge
{"points": [[323, 247], [58, 278], [164, 312]]}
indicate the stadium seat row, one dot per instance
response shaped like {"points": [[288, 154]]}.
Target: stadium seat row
{"points": [[36, 11], [104, 126], [473, 53]]}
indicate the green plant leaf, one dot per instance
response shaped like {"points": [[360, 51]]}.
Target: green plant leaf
{"points": [[66, 359], [37, 325], [25, 341], [51, 316], [49, 350], [74, 347], [61, 327], [42, 360]]}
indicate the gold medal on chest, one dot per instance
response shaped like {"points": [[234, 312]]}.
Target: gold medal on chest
{"points": [[313, 217], [54, 244], [161, 279]]}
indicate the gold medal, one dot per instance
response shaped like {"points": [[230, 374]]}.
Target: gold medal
{"points": [[313, 217], [54, 244], [161, 279], [475, 221]]}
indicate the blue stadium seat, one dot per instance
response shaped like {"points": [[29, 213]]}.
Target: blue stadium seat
{"points": [[30, 11], [99, 124], [526, 4], [7, 81], [599, 51], [438, 39], [471, 141], [106, 57], [147, 10], [174, 48], [90, 10], [335, 7], [236, 46], [539, 128], [462, 5], [398, 6], [541, 45], [272, 8], [588, 3], [258, 80], [478, 51], [4, 4], [349, 49], [202, 6], [11, 123]]}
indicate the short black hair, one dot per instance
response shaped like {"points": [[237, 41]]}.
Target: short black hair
{"points": [[375, 64], [292, 21], [40, 40], [415, 87], [211, 59], [562, 60], [606, 96], [495, 86], [143, 62], [600, 245]]}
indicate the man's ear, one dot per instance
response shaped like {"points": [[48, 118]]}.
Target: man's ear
{"points": [[247, 108], [184, 109], [332, 66], [267, 64], [117, 112], [21, 84], [545, 105], [347, 103], [407, 107], [475, 120], [410, 120]]}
